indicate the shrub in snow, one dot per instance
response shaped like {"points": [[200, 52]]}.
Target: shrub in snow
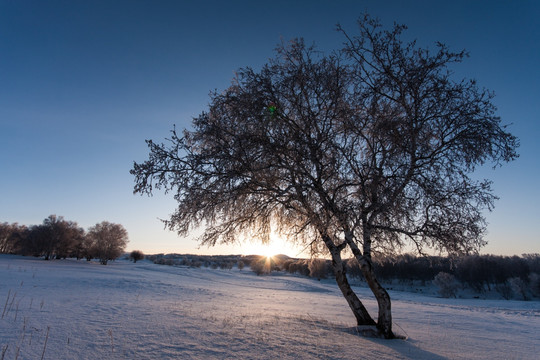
{"points": [[318, 268], [240, 265], [260, 266], [446, 283], [505, 290], [286, 265], [296, 266], [534, 281], [226, 265], [136, 255], [519, 287]]}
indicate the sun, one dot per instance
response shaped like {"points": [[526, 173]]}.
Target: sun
{"points": [[269, 250], [276, 246]]}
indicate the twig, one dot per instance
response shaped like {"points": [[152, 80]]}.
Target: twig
{"points": [[17, 308], [45, 345], [23, 336], [12, 301], [5, 306], [406, 336], [112, 339], [4, 352]]}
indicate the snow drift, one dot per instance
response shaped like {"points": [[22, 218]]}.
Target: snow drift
{"points": [[82, 310]]}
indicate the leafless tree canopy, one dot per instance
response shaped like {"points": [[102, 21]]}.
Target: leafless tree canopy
{"points": [[365, 149], [108, 241], [136, 255], [54, 238], [10, 237]]}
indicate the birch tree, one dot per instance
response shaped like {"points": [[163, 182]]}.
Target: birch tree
{"points": [[363, 150]]}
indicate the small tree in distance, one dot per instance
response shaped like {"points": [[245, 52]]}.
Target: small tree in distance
{"points": [[367, 149], [240, 265], [108, 241], [261, 265], [136, 255], [447, 284]]}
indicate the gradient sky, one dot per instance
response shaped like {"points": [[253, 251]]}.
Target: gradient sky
{"points": [[84, 83]]}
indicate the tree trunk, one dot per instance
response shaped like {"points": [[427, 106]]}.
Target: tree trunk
{"points": [[360, 312], [384, 320]]}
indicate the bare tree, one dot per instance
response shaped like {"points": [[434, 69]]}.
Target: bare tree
{"points": [[136, 255], [6, 243], [11, 236], [367, 149], [6, 239], [87, 246], [69, 236], [55, 237], [108, 241]]}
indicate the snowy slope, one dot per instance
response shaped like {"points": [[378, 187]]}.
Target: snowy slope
{"points": [[78, 310]]}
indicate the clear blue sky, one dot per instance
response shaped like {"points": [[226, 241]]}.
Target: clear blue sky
{"points": [[84, 83]]}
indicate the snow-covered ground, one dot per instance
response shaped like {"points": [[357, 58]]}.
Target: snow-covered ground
{"points": [[79, 310]]}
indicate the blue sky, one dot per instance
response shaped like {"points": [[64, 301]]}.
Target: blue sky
{"points": [[84, 83]]}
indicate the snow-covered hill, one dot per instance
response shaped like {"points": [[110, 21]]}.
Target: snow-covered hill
{"points": [[82, 310]]}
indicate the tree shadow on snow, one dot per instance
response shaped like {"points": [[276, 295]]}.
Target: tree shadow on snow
{"points": [[403, 345]]}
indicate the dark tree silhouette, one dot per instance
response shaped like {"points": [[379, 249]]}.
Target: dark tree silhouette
{"points": [[107, 241], [136, 255], [11, 237], [69, 237], [87, 247], [54, 238], [366, 149]]}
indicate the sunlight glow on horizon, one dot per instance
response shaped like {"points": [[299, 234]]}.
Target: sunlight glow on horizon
{"points": [[275, 246]]}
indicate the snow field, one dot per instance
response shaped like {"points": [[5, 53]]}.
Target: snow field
{"points": [[82, 310]]}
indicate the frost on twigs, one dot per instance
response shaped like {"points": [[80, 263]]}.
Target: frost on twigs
{"points": [[369, 147]]}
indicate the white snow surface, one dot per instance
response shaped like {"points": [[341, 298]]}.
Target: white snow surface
{"points": [[68, 309]]}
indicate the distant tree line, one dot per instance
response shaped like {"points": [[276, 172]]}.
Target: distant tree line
{"points": [[479, 272], [226, 262], [57, 238], [511, 276]]}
